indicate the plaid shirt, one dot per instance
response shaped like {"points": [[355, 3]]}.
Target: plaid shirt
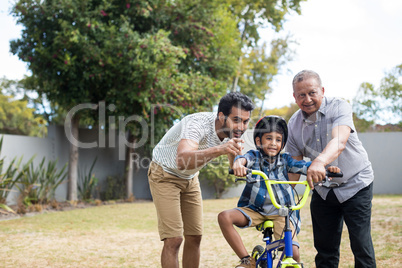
{"points": [[256, 197]]}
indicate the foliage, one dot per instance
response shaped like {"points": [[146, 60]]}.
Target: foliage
{"points": [[365, 104], [7, 179], [51, 179], [52, 112], [6, 208], [257, 69], [383, 104], [286, 112], [37, 185], [149, 61], [15, 116], [115, 188], [254, 15], [260, 66], [391, 90], [87, 182], [141, 56], [216, 174], [361, 124], [27, 184]]}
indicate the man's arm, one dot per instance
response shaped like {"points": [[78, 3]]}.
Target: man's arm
{"points": [[189, 157], [334, 148]]}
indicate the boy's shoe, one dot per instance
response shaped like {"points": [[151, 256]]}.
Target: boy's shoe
{"points": [[248, 262]]}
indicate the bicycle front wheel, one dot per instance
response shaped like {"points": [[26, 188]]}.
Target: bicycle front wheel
{"points": [[257, 253]]}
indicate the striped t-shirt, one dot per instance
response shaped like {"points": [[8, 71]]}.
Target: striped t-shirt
{"points": [[199, 127]]}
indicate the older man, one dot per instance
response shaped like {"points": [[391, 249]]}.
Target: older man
{"points": [[323, 130]]}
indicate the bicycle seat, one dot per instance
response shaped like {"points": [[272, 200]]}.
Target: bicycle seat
{"points": [[266, 224]]}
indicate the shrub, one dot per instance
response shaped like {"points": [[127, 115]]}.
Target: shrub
{"points": [[115, 188], [87, 183], [216, 174], [38, 185]]}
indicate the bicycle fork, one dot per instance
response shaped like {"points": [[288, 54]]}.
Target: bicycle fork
{"points": [[287, 261]]}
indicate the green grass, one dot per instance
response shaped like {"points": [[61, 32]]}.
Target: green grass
{"points": [[125, 235]]}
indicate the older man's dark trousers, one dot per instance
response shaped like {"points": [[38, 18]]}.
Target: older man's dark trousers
{"points": [[328, 217]]}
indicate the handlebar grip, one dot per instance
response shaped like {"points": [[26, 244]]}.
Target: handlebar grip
{"points": [[231, 171], [334, 175]]}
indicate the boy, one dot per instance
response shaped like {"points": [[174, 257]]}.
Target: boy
{"points": [[254, 206]]}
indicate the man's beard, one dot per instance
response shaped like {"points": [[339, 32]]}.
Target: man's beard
{"points": [[229, 132]]}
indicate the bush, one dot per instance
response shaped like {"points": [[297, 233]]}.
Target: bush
{"points": [[216, 174], [35, 185], [38, 185], [115, 188], [87, 183], [7, 179]]}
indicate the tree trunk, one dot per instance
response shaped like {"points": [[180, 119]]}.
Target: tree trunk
{"points": [[236, 78], [73, 160], [128, 174], [262, 108]]}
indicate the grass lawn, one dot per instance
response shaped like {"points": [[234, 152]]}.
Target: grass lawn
{"points": [[125, 235]]}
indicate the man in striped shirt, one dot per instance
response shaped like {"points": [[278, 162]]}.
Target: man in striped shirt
{"points": [[173, 174]]}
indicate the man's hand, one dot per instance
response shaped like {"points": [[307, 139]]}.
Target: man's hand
{"points": [[189, 157], [315, 173], [334, 148], [232, 147]]}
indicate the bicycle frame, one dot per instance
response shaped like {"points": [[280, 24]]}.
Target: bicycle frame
{"points": [[288, 261]]}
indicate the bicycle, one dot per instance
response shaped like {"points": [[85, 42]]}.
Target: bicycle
{"points": [[265, 256]]}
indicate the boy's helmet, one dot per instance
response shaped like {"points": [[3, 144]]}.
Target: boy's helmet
{"points": [[271, 123]]}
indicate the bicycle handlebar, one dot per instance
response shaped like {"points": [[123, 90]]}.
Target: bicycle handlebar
{"points": [[269, 182], [328, 174]]}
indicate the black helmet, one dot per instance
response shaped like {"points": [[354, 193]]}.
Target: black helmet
{"points": [[268, 124]]}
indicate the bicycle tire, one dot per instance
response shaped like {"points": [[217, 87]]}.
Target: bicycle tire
{"points": [[256, 253]]}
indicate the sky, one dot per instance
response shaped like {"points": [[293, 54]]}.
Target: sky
{"points": [[347, 42]]}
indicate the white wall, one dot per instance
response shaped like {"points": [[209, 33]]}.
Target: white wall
{"points": [[384, 149]]}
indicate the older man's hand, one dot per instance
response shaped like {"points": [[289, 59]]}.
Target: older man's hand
{"points": [[316, 172]]}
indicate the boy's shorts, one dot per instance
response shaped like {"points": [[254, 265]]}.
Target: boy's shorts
{"points": [[255, 218], [178, 203]]}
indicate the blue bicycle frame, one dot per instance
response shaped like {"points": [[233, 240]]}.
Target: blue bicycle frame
{"points": [[286, 259]]}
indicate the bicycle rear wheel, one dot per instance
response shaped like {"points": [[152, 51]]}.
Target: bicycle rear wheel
{"points": [[257, 253]]}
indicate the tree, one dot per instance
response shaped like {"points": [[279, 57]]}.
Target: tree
{"points": [[361, 124], [286, 112], [15, 115], [366, 104], [51, 111], [149, 61], [383, 104], [391, 90], [251, 17], [260, 67]]}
